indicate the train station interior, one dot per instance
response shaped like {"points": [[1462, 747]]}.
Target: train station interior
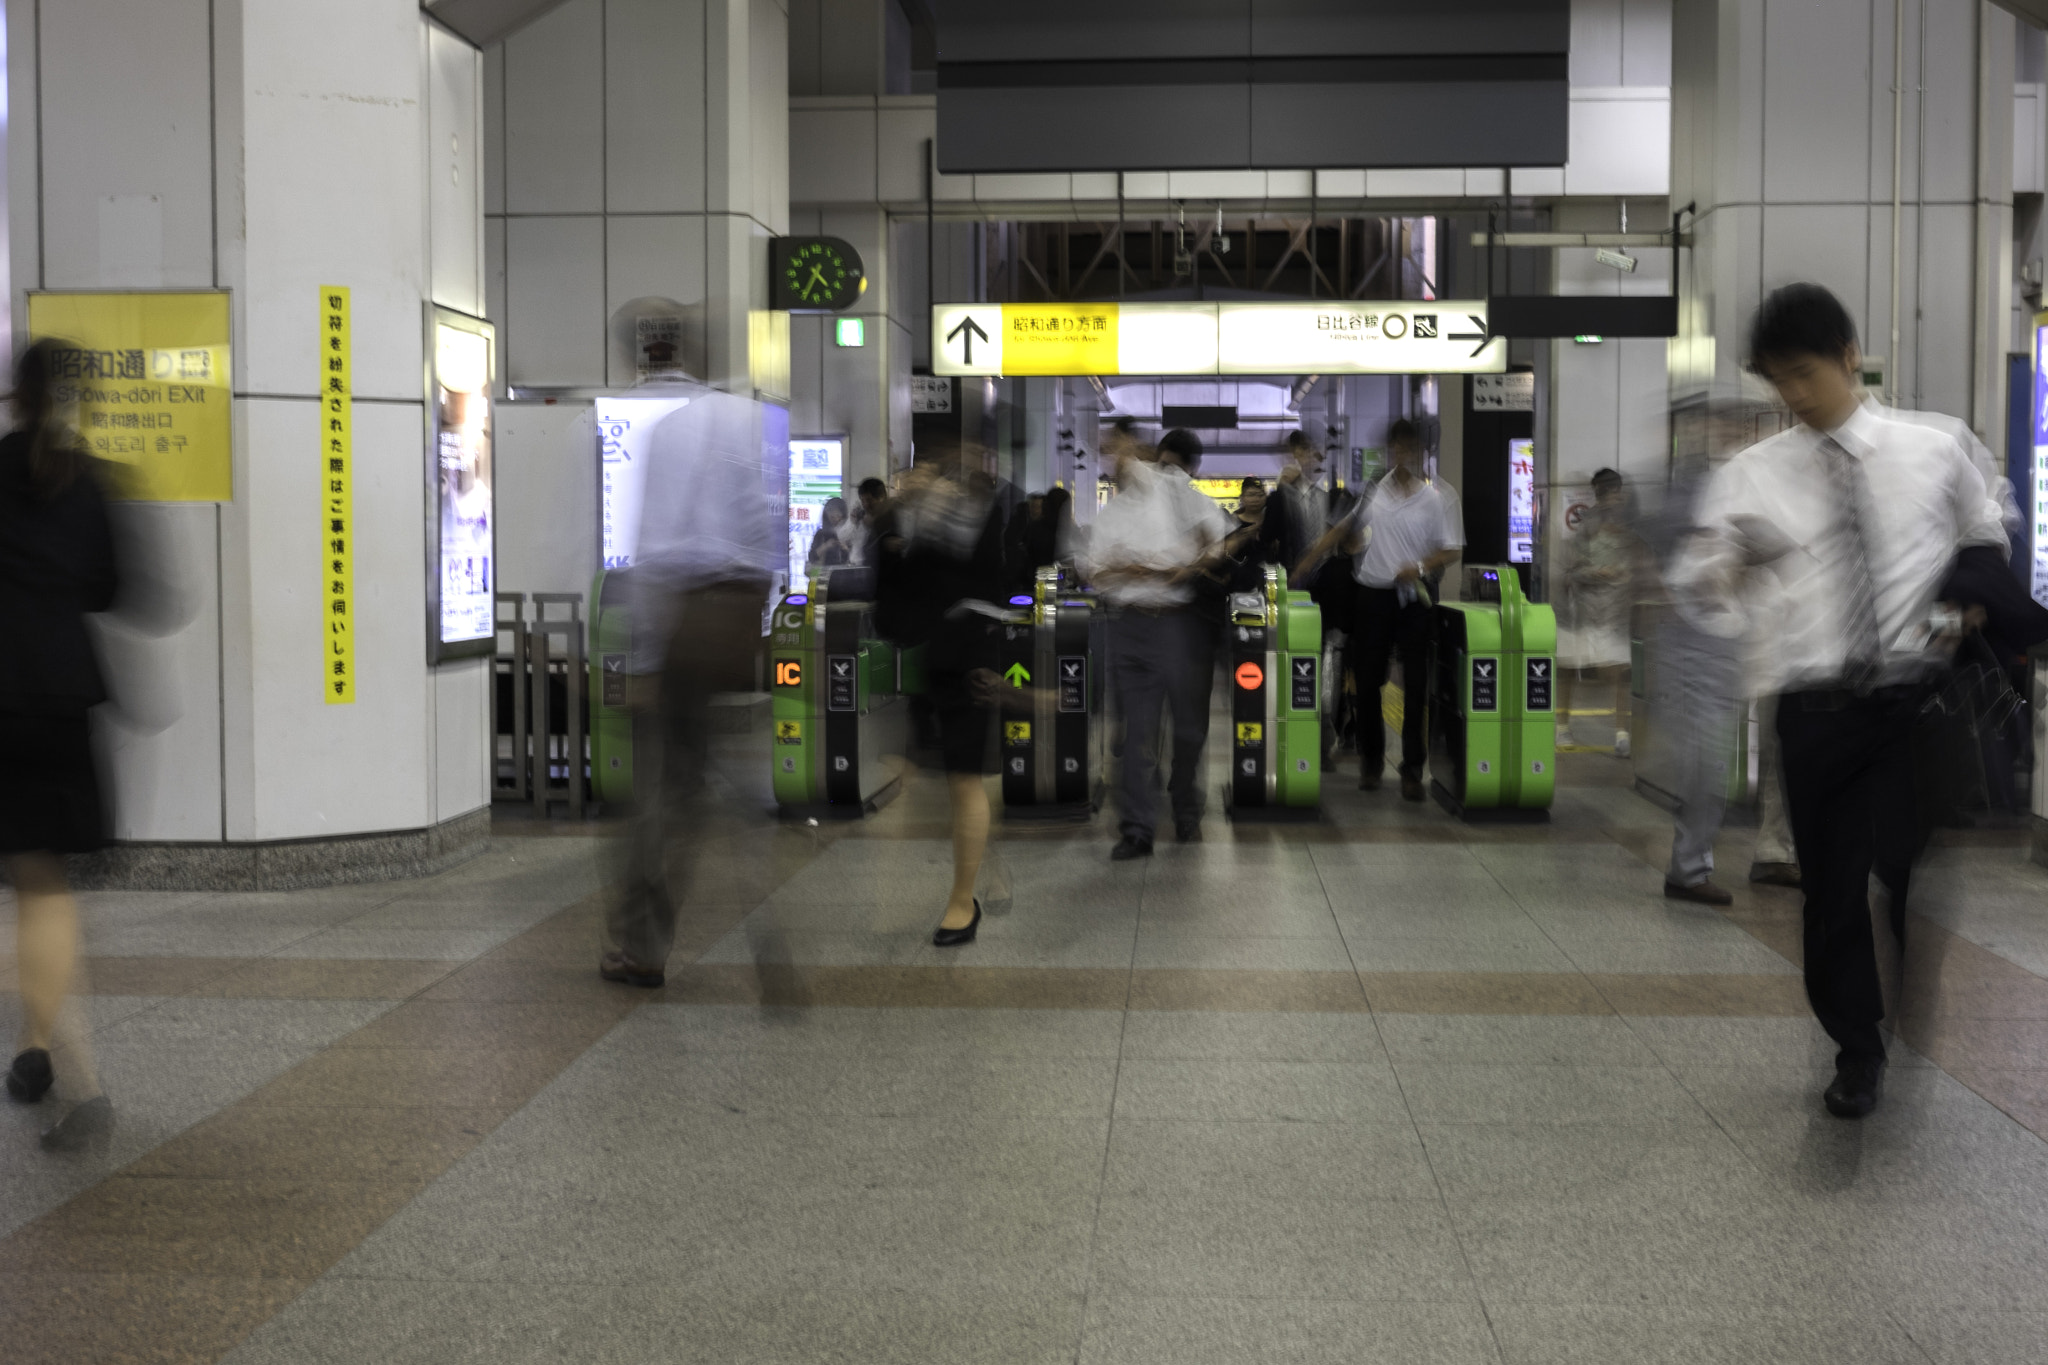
{"points": [[587, 474]]}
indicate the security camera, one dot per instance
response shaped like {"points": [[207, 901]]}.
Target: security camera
{"points": [[1618, 260]]}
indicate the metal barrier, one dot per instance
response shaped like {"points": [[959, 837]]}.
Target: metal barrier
{"points": [[510, 767], [541, 754]]}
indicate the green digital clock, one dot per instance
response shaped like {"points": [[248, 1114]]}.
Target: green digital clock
{"points": [[814, 274]]}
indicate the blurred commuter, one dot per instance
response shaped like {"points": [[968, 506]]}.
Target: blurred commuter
{"points": [[940, 569], [709, 547], [1773, 862], [57, 565], [1403, 530], [1600, 583], [1303, 507], [832, 545], [1857, 517], [1149, 545], [871, 498]]}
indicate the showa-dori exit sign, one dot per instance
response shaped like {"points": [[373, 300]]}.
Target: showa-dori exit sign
{"points": [[1440, 336]]}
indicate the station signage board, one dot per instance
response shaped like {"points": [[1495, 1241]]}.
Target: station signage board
{"points": [[1441, 336]]}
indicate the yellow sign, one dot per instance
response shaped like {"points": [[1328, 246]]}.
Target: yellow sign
{"points": [[151, 378], [1016, 732], [337, 502], [789, 732], [1250, 732], [1059, 338]]}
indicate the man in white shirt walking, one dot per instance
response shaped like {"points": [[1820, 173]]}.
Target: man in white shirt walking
{"points": [[1843, 527], [1149, 542], [1403, 530]]}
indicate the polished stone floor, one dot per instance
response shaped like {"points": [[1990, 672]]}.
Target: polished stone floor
{"points": [[1384, 1088]]}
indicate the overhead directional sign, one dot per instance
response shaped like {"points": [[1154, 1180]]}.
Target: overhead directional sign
{"points": [[1443, 336]]}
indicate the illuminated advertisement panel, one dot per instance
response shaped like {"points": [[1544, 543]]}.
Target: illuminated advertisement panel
{"points": [[2034, 498], [461, 356], [624, 428], [816, 476], [1522, 500]]}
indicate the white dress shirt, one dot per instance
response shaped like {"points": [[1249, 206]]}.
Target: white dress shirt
{"points": [[1158, 520], [1923, 498]]}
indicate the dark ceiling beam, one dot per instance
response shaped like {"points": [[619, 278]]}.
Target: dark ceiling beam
{"points": [[486, 21]]}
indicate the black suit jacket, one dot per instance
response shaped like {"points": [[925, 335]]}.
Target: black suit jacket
{"points": [[56, 565]]}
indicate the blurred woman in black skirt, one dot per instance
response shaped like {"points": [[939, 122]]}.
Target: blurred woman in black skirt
{"points": [[56, 565]]}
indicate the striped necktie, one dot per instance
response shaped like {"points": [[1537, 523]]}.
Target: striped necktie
{"points": [[1861, 653]]}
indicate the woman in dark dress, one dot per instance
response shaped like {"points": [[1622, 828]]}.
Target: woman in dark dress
{"points": [[56, 565]]}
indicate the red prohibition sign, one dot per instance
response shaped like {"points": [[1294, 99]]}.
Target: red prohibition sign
{"points": [[1250, 676]]}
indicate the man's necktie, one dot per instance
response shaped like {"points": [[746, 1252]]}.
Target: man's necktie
{"points": [[1861, 650]]}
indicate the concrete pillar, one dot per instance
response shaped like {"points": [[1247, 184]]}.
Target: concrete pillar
{"points": [[267, 148], [1783, 136]]}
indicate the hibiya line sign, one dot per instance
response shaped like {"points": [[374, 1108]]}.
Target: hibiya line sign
{"points": [[1442, 336]]}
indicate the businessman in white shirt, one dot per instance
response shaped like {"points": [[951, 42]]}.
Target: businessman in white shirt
{"points": [[1846, 524]]}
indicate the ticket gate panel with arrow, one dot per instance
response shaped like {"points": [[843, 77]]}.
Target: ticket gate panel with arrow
{"points": [[1274, 663], [1052, 732], [1492, 717]]}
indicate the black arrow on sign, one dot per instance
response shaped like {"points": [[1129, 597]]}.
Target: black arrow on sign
{"points": [[1479, 336], [973, 330]]}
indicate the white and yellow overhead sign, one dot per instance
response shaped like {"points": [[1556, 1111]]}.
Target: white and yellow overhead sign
{"points": [[1442, 336]]}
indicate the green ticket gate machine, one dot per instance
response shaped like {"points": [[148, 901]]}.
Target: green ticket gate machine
{"points": [[611, 723], [1052, 731], [1273, 666], [1492, 715], [837, 705]]}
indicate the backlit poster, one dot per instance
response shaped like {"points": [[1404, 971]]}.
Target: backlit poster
{"points": [[817, 466], [1522, 500], [461, 615], [624, 428], [2035, 498]]}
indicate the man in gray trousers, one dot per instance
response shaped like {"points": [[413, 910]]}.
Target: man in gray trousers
{"points": [[1148, 545]]}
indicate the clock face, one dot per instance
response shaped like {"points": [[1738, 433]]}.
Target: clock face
{"points": [[819, 275]]}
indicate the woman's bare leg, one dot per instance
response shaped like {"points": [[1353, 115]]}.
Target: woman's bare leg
{"points": [[46, 953], [970, 840]]}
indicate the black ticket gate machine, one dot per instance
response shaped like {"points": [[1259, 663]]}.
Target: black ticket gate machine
{"points": [[1052, 731], [1276, 730], [839, 713]]}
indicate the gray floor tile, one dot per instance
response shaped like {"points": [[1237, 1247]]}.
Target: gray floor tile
{"points": [[1439, 1093], [438, 913], [1733, 952], [1778, 1043], [873, 1032], [446, 945], [1504, 950], [1218, 1243], [1291, 1331], [1784, 1101], [1956, 1337], [1543, 1334], [1477, 1161], [999, 943], [1339, 1162], [1244, 915], [1511, 1040], [1166, 948], [155, 938], [1252, 1088], [342, 1321], [1254, 1034], [299, 1025]]}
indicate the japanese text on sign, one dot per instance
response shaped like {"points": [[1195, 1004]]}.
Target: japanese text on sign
{"points": [[337, 450], [149, 373]]}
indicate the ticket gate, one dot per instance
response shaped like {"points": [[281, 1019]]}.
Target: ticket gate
{"points": [[836, 701], [1052, 732], [611, 723], [1276, 731], [1493, 730]]}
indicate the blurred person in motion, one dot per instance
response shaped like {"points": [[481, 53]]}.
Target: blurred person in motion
{"points": [[1150, 544], [833, 545], [1856, 518], [1302, 508], [57, 564], [1404, 529], [871, 498], [1600, 579], [940, 570], [709, 547]]}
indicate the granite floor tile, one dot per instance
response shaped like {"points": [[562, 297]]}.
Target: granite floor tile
{"points": [[1512, 993], [1591, 1095], [1797, 1041], [1171, 948], [1546, 1334], [1959, 1337], [56, 1319], [411, 1077], [298, 1026], [404, 1145], [1149, 1330], [1218, 990], [455, 1024], [1289, 1037], [875, 1032], [1504, 950], [317, 979], [1342, 1163], [1474, 1162], [414, 945], [1258, 1089], [1514, 1040]]}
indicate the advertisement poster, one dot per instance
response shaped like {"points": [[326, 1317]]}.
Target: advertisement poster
{"points": [[464, 619], [817, 466], [2035, 499], [150, 375], [1522, 500], [624, 428]]}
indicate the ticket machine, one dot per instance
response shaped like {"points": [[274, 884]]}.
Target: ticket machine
{"points": [[1273, 669]]}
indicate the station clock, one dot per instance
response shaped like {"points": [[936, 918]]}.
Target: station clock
{"points": [[814, 274]]}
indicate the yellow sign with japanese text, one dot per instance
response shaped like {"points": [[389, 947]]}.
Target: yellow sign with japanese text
{"points": [[1059, 338], [337, 502], [150, 375]]}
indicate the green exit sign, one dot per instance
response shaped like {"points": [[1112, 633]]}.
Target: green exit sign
{"points": [[850, 331]]}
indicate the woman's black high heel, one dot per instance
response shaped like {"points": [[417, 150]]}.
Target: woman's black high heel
{"points": [[30, 1078], [943, 937]]}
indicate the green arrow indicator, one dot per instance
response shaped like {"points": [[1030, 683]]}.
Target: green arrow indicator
{"points": [[1018, 675]]}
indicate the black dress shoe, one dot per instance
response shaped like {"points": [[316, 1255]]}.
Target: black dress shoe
{"points": [[1129, 847], [1188, 830], [1859, 1082], [622, 969], [942, 937], [29, 1079], [1411, 789]]}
